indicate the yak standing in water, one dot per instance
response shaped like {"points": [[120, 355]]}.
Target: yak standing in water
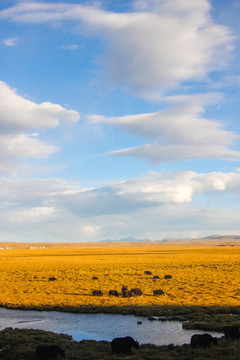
{"points": [[123, 345]]}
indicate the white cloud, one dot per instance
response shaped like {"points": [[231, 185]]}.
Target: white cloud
{"points": [[20, 114], [18, 118], [15, 147], [179, 132], [163, 153], [34, 215], [23, 191], [157, 47], [152, 190], [90, 230], [179, 124], [24, 145], [10, 42], [70, 47], [143, 207]]}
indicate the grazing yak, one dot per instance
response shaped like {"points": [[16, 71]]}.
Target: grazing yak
{"points": [[97, 293], [127, 293], [202, 340], [113, 293], [147, 272], [124, 288], [52, 278], [167, 276], [94, 278], [156, 277], [136, 292], [231, 332], [123, 345], [46, 352], [158, 292]]}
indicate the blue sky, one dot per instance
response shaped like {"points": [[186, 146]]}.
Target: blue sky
{"points": [[119, 119]]}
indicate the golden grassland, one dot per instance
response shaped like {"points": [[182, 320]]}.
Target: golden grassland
{"points": [[202, 275]]}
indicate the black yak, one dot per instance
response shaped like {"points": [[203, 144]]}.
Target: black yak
{"points": [[113, 293], [124, 288], [158, 292], [167, 276], [127, 293], [231, 332], [147, 272], [97, 293], [123, 345], [136, 292], [202, 340], [46, 352]]}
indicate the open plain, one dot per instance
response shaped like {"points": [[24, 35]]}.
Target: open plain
{"points": [[201, 274], [202, 291]]}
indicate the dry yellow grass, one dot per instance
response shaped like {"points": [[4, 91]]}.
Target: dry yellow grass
{"points": [[206, 275]]}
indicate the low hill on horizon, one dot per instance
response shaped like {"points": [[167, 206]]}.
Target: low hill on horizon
{"points": [[215, 240]]}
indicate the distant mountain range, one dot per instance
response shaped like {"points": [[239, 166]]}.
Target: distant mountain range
{"points": [[216, 240], [221, 237], [127, 239], [208, 239]]}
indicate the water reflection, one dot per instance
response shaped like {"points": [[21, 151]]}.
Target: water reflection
{"points": [[99, 326]]}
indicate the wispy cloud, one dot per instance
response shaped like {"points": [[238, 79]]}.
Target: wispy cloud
{"points": [[157, 47], [70, 47], [177, 133], [10, 42]]}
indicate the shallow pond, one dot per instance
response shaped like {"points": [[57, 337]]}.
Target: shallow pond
{"points": [[99, 326]]}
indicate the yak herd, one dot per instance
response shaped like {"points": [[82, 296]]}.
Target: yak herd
{"points": [[205, 340], [123, 345], [133, 292], [125, 293]]}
